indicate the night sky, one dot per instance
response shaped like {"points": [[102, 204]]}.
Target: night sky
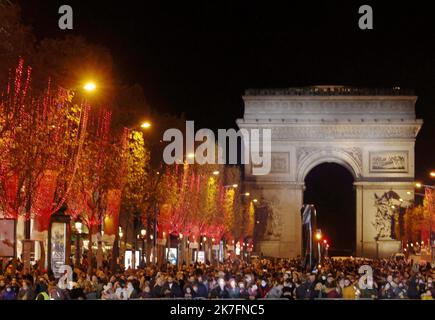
{"points": [[197, 57]]}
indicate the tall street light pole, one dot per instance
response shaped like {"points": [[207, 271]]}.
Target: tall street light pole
{"points": [[143, 234], [78, 226]]}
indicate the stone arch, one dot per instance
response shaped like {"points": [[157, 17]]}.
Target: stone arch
{"points": [[324, 156], [363, 130]]}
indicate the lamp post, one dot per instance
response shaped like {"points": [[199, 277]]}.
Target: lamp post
{"points": [[120, 234], [319, 238], [78, 226], [143, 234]]}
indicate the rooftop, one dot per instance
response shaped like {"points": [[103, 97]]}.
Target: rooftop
{"points": [[330, 90]]}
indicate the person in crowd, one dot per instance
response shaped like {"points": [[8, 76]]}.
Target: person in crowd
{"points": [[26, 292], [233, 290], [347, 289], [146, 293], [188, 293], [200, 288], [275, 292], [171, 289], [264, 287], [220, 291], [157, 291], [232, 279], [243, 292]]}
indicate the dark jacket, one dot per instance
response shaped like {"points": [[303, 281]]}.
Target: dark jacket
{"points": [[174, 291], [233, 293], [202, 291], [26, 294], [218, 293], [157, 292], [413, 289]]}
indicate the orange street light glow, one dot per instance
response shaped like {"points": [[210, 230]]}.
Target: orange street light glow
{"points": [[215, 173], [432, 174], [145, 125], [418, 185], [235, 185], [90, 86]]}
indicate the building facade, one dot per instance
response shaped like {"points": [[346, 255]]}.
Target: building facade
{"points": [[370, 132]]}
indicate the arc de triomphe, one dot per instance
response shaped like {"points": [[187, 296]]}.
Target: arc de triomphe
{"points": [[370, 132]]}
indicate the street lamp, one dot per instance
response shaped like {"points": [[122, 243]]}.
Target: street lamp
{"points": [[318, 238], [215, 173], [145, 125], [143, 233], [78, 226], [90, 86], [318, 235], [432, 174]]}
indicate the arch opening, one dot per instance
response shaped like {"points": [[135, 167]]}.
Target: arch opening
{"points": [[329, 187]]}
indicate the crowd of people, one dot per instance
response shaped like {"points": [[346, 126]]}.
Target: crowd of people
{"points": [[233, 279]]}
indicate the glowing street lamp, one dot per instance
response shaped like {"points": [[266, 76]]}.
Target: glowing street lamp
{"points": [[216, 172], [432, 174], [78, 225], [143, 232], [145, 125], [418, 184], [235, 185], [90, 86], [318, 235], [247, 194]]}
